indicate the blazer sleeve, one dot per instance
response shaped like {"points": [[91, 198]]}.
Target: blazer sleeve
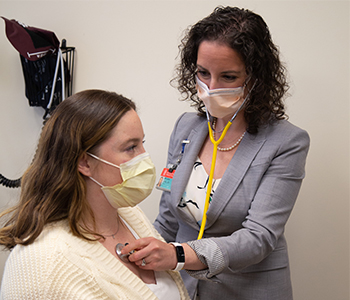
{"points": [[282, 166]]}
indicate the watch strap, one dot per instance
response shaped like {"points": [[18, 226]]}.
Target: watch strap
{"points": [[180, 254]]}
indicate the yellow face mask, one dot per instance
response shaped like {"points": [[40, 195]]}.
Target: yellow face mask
{"points": [[139, 176]]}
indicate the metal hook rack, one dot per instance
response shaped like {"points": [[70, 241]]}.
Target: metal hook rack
{"points": [[69, 57]]}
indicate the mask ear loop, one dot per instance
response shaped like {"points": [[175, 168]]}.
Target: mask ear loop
{"points": [[94, 180], [213, 161], [100, 159], [104, 161]]}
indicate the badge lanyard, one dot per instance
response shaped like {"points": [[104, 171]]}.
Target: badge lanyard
{"points": [[167, 174]]}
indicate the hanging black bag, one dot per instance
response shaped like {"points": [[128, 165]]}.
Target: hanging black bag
{"points": [[42, 64], [48, 77]]}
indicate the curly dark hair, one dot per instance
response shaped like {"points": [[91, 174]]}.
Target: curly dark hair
{"points": [[248, 34]]}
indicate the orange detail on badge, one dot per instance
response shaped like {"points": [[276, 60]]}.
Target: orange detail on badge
{"points": [[166, 173]]}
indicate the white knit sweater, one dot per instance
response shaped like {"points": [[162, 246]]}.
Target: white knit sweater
{"points": [[59, 265]]}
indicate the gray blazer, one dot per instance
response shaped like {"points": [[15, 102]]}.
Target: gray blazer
{"points": [[243, 243]]}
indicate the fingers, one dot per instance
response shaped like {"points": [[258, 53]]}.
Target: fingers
{"points": [[136, 251], [144, 248], [137, 245], [151, 254]]}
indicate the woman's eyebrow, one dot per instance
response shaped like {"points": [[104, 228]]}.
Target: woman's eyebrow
{"points": [[224, 72], [132, 140]]}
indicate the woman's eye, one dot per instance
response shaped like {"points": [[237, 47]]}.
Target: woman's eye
{"points": [[230, 77], [203, 74], [131, 148]]}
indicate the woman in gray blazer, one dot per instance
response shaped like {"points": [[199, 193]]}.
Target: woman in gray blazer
{"points": [[231, 71]]}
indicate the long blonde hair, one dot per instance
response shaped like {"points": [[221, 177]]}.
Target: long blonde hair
{"points": [[52, 188]]}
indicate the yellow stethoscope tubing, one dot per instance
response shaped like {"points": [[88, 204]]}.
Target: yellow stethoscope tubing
{"points": [[213, 160], [211, 174]]}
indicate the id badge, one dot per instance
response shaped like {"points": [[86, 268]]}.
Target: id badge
{"points": [[165, 180]]}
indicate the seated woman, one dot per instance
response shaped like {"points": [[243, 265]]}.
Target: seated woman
{"points": [[78, 202]]}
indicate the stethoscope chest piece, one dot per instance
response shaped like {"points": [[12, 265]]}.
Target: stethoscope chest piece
{"points": [[123, 257]]}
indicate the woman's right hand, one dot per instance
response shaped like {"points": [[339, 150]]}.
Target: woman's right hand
{"points": [[160, 256]]}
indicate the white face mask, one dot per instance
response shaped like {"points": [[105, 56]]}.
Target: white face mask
{"points": [[139, 176], [220, 102]]}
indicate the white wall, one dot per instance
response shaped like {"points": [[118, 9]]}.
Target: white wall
{"points": [[131, 47]]}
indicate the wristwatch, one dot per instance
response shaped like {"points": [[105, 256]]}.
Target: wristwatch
{"points": [[180, 254]]}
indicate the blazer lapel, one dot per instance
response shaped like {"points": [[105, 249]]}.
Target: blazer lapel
{"points": [[183, 171], [234, 174]]}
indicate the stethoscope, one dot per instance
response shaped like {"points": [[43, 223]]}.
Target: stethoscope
{"points": [[123, 257], [212, 167], [213, 160]]}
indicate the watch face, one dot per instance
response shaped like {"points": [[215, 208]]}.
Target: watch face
{"points": [[180, 254]]}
